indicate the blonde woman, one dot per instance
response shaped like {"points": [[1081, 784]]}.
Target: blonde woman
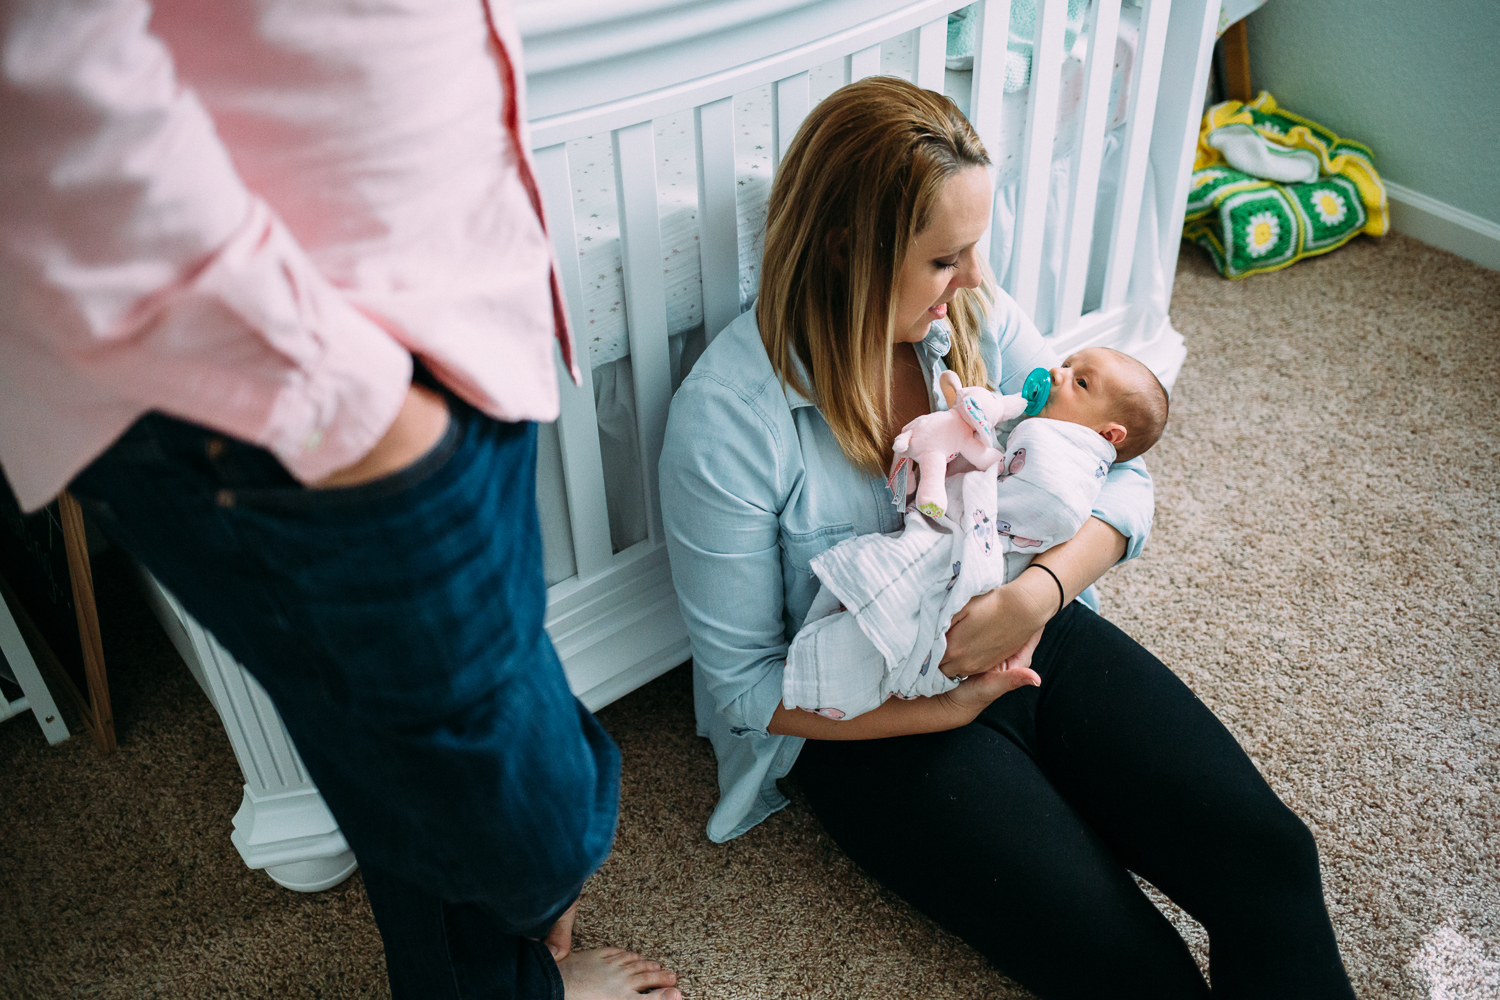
{"points": [[1012, 814]]}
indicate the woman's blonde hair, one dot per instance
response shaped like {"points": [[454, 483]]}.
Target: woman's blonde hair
{"points": [[854, 190]]}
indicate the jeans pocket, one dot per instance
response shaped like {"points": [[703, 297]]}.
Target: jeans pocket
{"points": [[410, 590], [294, 497]]}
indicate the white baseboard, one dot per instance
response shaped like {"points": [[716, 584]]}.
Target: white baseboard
{"points": [[1443, 226]]}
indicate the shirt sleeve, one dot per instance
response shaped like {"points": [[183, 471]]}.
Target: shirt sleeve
{"points": [[132, 254], [1127, 501], [721, 500]]}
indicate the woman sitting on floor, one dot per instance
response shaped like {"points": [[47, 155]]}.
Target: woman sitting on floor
{"points": [[1012, 817]]}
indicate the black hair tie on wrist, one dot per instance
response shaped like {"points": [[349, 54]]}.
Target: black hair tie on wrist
{"points": [[1061, 596]]}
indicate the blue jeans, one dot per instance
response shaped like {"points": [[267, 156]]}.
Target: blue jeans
{"points": [[397, 626]]}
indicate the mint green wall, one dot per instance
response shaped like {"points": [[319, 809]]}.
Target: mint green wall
{"points": [[1418, 81]]}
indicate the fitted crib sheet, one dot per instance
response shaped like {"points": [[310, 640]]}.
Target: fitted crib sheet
{"points": [[601, 327]]}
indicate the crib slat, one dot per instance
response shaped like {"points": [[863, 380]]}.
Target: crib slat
{"points": [[791, 100], [577, 424], [865, 62], [1036, 154], [987, 88], [932, 54], [1137, 152], [645, 299], [1185, 67], [718, 222], [1104, 21]]}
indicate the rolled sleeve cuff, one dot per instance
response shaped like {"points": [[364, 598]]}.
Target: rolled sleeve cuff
{"points": [[261, 345], [333, 416], [1127, 503], [750, 714]]}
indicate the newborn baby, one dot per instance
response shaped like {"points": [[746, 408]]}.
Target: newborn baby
{"points": [[1103, 407], [1113, 394], [877, 626]]}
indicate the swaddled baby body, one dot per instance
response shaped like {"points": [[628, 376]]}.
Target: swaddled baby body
{"points": [[877, 626]]}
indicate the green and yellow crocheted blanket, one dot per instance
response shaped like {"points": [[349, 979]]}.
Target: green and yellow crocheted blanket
{"points": [[1249, 225]]}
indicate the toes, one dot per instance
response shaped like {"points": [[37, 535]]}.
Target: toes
{"points": [[667, 994], [646, 980]]}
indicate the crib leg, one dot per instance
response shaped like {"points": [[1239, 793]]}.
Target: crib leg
{"points": [[1236, 44]]}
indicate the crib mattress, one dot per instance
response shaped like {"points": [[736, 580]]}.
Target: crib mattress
{"points": [[602, 326]]}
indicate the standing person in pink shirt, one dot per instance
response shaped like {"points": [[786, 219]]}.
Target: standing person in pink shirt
{"points": [[277, 303]]}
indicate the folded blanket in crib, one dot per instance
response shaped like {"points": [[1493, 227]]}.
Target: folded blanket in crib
{"points": [[1250, 224]]}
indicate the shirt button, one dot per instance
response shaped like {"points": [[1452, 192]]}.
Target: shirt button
{"points": [[215, 447], [224, 498]]}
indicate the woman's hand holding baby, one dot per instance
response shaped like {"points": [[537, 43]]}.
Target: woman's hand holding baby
{"points": [[977, 691], [995, 627]]}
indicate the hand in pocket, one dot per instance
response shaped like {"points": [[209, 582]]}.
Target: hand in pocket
{"points": [[418, 427]]}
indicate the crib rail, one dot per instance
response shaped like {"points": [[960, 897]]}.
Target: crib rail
{"points": [[1136, 153], [590, 78], [629, 119], [718, 214], [1104, 21], [1077, 224]]}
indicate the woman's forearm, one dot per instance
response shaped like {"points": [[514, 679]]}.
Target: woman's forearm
{"points": [[894, 717], [1084, 558], [1024, 607], [995, 625]]}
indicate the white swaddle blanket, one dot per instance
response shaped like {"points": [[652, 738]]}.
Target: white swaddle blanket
{"points": [[878, 626]]}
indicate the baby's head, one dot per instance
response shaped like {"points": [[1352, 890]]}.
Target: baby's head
{"points": [[1112, 393]]}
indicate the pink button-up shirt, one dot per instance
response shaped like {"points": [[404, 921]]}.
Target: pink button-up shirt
{"points": [[250, 213]]}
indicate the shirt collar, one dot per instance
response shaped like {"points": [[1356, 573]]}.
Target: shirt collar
{"points": [[938, 342], [932, 349], [794, 398]]}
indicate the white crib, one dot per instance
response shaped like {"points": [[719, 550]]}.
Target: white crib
{"points": [[657, 125], [677, 85]]}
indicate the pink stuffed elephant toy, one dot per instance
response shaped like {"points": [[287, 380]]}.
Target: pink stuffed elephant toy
{"points": [[966, 428]]}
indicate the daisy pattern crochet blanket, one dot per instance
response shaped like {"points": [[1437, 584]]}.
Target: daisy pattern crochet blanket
{"points": [[1248, 224]]}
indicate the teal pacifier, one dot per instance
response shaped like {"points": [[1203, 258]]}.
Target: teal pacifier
{"points": [[1035, 391]]}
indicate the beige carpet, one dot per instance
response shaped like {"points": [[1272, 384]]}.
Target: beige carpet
{"points": [[1323, 573]]}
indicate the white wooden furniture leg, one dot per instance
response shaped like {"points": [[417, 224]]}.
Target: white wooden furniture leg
{"points": [[34, 693], [283, 825]]}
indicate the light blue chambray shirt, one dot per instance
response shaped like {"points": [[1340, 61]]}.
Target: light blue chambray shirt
{"points": [[753, 486]]}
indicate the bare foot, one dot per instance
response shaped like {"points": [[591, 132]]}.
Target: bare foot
{"points": [[615, 974]]}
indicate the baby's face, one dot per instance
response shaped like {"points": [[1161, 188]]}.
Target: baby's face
{"points": [[1085, 388]]}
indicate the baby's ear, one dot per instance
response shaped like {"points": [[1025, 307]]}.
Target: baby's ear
{"points": [[949, 383], [1114, 434]]}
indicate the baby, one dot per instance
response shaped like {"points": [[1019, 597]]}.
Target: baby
{"points": [[1102, 407], [1112, 393], [877, 626]]}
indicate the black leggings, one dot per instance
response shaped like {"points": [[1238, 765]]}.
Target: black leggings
{"points": [[1019, 831]]}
